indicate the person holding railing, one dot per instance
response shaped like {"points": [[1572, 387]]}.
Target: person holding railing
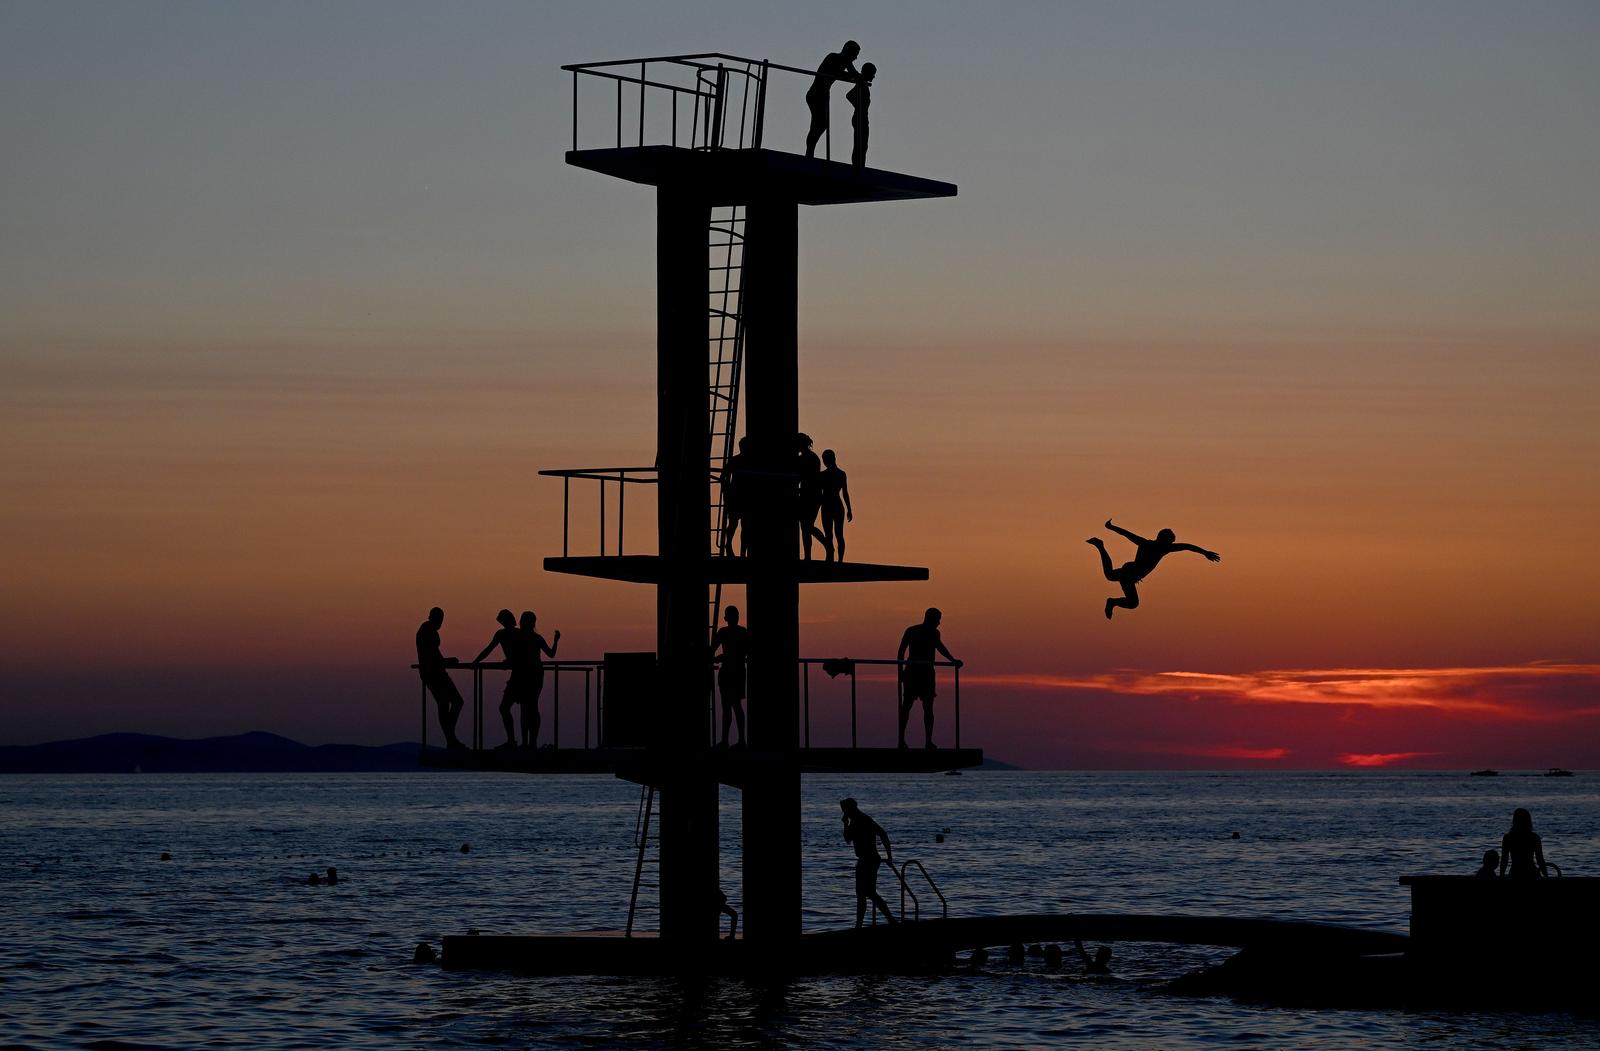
{"points": [[528, 655], [510, 641], [431, 665], [920, 642], [734, 640], [839, 65], [863, 833]]}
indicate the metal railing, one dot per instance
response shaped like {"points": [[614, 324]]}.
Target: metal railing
{"points": [[906, 891], [593, 672], [849, 666], [622, 477], [708, 101]]}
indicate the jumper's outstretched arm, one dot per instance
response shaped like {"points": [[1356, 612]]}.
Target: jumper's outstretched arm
{"points": [[1135, 537], [1211, 556]]}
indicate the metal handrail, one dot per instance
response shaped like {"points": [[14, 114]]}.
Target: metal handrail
{"points": [[853, 662], [905, 888], [622, 476], [593, 690], [706, 85]]}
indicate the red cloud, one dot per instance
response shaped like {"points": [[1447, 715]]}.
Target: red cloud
{"points": [[1380, 758]]}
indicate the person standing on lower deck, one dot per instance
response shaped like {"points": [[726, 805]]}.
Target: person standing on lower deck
{"points": [[734, 640], [532, 668], [863, 833], [510, 642], [431, 665], [916, 655]]}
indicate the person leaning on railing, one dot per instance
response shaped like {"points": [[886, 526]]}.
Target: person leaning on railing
{"points": [[920, 641], [839, 65], [431, 665]]}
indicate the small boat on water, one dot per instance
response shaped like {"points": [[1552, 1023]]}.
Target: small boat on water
{"points": [[1556, 771], [1484, 773]]}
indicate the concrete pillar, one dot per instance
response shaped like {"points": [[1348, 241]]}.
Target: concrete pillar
{"points": [[771, 375], [688, 800]]}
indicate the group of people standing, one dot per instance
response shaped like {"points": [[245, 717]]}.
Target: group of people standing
{"points": [[1521, 851], [821, 488], [523, 650]]}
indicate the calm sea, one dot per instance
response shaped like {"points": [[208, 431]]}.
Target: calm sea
{"points": [[103, 945]]}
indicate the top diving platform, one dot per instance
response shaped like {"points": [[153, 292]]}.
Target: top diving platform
{"points": [[726, 177], [700, 121]]}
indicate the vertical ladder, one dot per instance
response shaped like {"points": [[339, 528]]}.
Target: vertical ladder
{"points": [[642, 839], [725, 333]]}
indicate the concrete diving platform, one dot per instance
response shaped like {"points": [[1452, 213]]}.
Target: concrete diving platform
{"points": [[927, 946], [735, 767], [650, 569], [733, 176]]}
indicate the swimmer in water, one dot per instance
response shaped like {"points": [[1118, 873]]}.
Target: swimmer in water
{"points": [[1148, 555]]}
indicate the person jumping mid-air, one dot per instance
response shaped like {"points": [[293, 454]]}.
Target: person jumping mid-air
{"points": [[1145, 559]]}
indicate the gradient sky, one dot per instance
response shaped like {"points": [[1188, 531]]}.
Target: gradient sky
{"points": [[295, 299]]}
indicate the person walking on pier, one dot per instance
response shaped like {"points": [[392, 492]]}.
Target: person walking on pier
{"points": [[863, 833], [836, 509], [431, 665], [734, 640], [860, 98], [839, 65], [509, 639], [1521, 848], [920, 642], [1148, 555], [528, 661], [809, 492]]}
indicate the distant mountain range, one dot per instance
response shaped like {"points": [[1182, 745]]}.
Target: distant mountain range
{"points": [[255, 752]]}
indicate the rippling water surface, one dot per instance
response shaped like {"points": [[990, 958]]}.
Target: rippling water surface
{"points": [[104, 945]]}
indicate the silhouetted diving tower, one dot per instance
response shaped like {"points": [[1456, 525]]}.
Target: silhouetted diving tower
{"points": [[694, 127]]}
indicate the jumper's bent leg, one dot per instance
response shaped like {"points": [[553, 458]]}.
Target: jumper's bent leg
{"points": [[1129, 599], [1105, 560]]}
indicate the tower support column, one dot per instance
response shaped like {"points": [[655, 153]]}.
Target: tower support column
{"points": [[772, 881], [688, 817]]}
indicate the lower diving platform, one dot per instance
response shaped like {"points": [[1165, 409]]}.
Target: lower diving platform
{"points": [[736, 766]]}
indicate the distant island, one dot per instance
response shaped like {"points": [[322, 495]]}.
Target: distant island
{"points": [[257, 752]]}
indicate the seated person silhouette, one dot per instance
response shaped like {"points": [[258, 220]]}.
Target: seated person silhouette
{"points": [[431, 665], [1099, 963], [920, 641], [1490, 866], [839, 65], [532, 667], [863, 833], [510, 642], [734, 641], [836, 509], [1522, 849], [1148, 555], [860, 98]]}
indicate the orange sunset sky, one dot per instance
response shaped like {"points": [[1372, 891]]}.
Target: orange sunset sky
{"points": [[297, 301]]}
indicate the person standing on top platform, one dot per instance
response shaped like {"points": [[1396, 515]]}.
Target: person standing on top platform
{"points": [[860, 98], [836, 509], [510, 642], [809, 493], [431, 665], [734, 640], [1148, 555], [920, 642], [839, 65], [863, 833], [532, 644]]}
